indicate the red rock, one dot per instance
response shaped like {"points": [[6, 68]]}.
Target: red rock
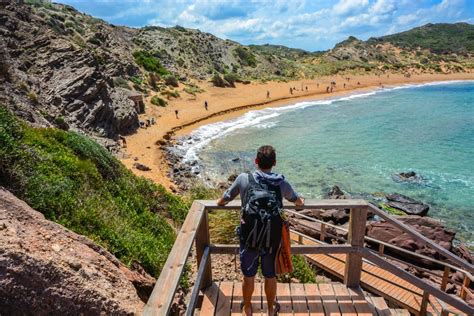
{"points": [[48, 269]]}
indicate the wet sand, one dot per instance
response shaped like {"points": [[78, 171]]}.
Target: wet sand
{"points": [[228, 103]]}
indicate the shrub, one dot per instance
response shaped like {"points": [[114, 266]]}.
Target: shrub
{"points": [[170, 94], [153, 80], [150, 62], [193, 90], [74, 181], [156, 100], [231, 78], [302, 271], [171, 80], [121, 82], [218, 81], [246, 56], [32, 96]]}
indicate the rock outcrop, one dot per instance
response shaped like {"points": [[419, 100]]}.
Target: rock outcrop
{"points": [[429, 227], [61, 70], [48, 269], [407, 204]]}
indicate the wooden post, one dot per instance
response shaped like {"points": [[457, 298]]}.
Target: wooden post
{"points": [[353, 268], [464, 287], [203, 241], [424, 303], [444, 281], [322, 234], [381, 249]]}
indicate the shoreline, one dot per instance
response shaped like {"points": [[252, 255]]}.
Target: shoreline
{"points": [[147, 146]]}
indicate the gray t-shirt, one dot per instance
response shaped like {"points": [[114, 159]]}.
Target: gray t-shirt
{"points": [[241, 184]]}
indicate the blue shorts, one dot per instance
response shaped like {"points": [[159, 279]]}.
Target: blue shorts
{"points": [[251, 259]]}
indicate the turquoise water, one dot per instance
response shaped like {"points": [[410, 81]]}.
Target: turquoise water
{"points": [[358, 143]]}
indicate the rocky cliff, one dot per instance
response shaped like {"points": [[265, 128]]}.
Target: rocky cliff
{"points": [[48, 269], [58, 69]]}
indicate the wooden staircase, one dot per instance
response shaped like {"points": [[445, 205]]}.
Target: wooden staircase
{"points": [[295, 299]]}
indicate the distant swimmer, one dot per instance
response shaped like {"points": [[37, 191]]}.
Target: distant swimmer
{"points": [[268, 94], [176, 113], [205, 105]]}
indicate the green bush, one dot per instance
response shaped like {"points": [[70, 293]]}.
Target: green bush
{"points": [[150, 62], [231, 78], [192, 89], [171, 80], [218, 81], [246, 56], [302, 271], [170, 94], [156, 100], [74, 181]]}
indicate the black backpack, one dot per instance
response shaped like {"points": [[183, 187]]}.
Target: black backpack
{"points": [[261, 224]]}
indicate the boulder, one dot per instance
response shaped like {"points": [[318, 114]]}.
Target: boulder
{"points": [[141, 167], [409, 176], [336, 193], [49, 269], [429, 227], [407, 204]]}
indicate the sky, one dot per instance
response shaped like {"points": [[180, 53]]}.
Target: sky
{"points": [[308, 24]]}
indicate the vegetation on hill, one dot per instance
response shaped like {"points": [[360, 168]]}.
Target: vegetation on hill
{"points": [[441, 38], [77, 183]]}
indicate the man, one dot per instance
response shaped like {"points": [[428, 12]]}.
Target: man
{"points": [[249, 258]]}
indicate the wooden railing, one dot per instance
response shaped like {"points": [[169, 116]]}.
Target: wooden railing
{"points": [[196, 228]]}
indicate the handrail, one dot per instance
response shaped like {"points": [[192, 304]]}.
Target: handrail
{"points": [[195, 229], [388, 245]]}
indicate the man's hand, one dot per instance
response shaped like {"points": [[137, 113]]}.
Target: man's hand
{"points": [[299, 201], [221, 202]]}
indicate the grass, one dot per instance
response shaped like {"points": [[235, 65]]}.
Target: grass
{"points": [[193, 90], [156, 100], [75, 182], [170, 94]]}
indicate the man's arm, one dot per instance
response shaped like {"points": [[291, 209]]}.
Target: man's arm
{"points": [[231, 192], [290, 194]]}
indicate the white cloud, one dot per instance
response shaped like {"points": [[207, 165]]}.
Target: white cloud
{"points": [[349, 6]]}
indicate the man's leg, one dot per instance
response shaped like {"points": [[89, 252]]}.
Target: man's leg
{"points": [[270, 293], [247, 291]]}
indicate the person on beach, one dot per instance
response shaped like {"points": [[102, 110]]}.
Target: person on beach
{"points": [[176, 113], [327, 89], [268, 94], [252, 253], [291, 90], [205, 105]]}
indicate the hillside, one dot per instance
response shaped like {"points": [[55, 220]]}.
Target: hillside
{"points": [[441, 38], [67, 69]]}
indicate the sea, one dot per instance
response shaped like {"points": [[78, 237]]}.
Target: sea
{"points": [[360, 142]]}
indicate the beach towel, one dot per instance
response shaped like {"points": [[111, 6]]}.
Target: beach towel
{"points": [[283, 261]]}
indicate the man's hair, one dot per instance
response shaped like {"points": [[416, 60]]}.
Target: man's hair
{"points": [[266, 157]]}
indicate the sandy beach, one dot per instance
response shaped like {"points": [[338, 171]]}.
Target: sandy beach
{"points": [[228, 103]]}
